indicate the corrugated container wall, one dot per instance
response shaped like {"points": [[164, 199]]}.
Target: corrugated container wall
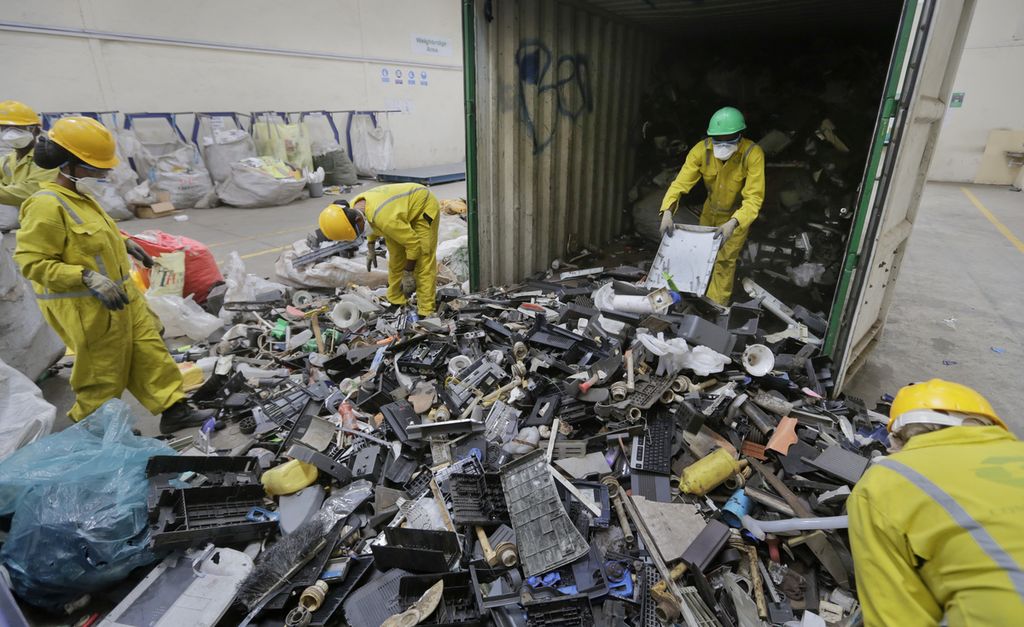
{"points": [[558, 93]]}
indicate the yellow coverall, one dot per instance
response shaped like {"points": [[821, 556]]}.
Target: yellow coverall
{"points": [[407, 216], [735, 190], [20, 178], [936, 530], [63, 233]]}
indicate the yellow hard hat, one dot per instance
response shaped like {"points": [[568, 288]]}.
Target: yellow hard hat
{"points": [[289, 477], [337, 222], [87, 139], [939, 395], [14, 113]]}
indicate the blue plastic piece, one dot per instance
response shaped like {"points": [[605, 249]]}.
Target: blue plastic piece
{"points": [[736, 508], [258, 514], [79, 504]]}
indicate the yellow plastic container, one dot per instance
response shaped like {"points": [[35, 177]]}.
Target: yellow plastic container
{"points": [[288, 478], [706, 474]]}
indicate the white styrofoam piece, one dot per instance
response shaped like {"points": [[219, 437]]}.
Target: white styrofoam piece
{"points": [[687, 254]]}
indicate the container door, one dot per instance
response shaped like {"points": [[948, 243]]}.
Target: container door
{"points": [[925, 57]]}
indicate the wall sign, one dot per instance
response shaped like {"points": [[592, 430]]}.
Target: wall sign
{"points": [[434, 46], [956, 100]]}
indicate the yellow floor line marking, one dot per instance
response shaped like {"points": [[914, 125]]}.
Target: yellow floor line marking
{"points": [[1007, 233], [259, 236], [265, 252]]}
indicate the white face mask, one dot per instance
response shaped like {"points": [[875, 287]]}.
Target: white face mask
{"points": [[724, 151], [17, 137]]}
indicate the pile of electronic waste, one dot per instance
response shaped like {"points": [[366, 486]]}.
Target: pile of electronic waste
{"points": [[580, 449]]}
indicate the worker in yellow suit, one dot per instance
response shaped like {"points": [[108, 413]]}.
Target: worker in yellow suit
{"points": [[77, 261], [407, 217], [19, 175], [937, 528], [732, 167]]}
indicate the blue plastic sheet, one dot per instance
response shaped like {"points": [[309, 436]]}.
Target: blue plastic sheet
{"points": [[79, 504]]}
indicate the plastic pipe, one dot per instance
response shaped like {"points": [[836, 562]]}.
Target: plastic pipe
{"points": [[758, 418], [469, 107], [761, 527]]}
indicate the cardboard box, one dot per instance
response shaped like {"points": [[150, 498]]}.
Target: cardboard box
{"points": [[162, 208]]}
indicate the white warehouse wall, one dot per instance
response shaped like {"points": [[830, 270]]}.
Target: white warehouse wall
{"points": [[991, 77], [63, 55]]}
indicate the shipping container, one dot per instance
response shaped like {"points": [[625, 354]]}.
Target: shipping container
{"points": [[553, 98]]}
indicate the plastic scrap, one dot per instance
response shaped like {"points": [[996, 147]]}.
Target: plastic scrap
{"points": [[520, 447]]}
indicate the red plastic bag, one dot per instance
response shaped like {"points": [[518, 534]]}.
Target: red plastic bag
{"points": [[201, 271]]}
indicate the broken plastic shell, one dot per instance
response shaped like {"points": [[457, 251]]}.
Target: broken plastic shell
{"points": [[758, 360], [784, 436], [346, 316]]}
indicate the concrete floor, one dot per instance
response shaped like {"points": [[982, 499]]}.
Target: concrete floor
{"points": [[958, 265]]}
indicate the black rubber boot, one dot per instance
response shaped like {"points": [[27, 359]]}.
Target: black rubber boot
{"points": [[181, 415]]}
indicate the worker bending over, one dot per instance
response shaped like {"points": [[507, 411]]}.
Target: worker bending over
{"points": [[19, 175], [732, 167], [78, 263], [937, 529], [407, 216]]}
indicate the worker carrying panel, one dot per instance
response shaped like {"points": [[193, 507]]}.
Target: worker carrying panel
{"points": [[735, 192]]}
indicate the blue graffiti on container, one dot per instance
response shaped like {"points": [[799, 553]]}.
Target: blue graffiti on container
{"points": [[568, 78]]}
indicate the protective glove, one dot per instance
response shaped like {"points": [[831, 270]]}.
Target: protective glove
{"points": [[314, 239], [107, 291], [371, 255], [725, 231], [139, 253], [667, 225], [408, 283]]}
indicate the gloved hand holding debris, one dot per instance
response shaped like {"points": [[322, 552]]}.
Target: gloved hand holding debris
{"points": [[667, 225], [725, 231], [314, 239], [408, 283], [371, 256]]}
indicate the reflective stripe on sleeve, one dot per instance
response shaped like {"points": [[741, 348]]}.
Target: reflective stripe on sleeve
{"points": [[984, 539]]}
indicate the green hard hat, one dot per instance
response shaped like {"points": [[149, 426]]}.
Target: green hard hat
{"points": [[726, 121]]}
